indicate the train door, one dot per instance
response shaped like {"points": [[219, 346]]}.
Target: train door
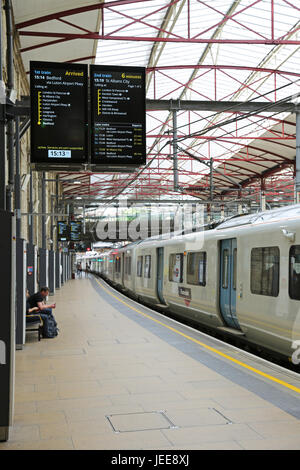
{"points": [[160, 274], [228, 282]]}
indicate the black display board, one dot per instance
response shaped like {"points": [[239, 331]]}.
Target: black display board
{"points": [[69, 232], [75, 231], [118, 115], [62, 231], [59, 113]]}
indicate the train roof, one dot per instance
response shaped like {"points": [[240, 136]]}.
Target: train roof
{"points": [[265, 216], [235, 221]]}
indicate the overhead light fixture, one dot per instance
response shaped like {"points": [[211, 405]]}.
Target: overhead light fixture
{"points": [[78, 197], [76, 182]]}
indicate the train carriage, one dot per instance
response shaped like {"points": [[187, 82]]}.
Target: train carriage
{"points": [[242, 277]]}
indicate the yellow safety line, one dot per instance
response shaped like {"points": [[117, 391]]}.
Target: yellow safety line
{"points": [[270, 377]]}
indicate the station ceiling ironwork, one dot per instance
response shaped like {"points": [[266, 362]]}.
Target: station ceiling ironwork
{"points": [[193, 50]]}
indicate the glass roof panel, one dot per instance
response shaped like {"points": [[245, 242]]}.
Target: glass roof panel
{"points": [[227, 71]]}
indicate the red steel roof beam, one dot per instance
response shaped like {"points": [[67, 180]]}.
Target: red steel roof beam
{"points": [[140, 20], [230, 17], [75, 11], [95, 36]]}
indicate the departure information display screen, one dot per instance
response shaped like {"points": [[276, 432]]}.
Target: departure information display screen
{"points": [[69, 232], [118, 115], [62, 231], [59, 112], [75, 231]]}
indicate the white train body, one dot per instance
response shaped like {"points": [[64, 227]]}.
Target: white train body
{"points": [[242, 277]]}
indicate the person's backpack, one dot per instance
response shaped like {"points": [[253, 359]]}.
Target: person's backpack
{"points": [[50, 329]]}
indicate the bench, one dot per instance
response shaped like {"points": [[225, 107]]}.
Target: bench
{"points": [[34, 323]]}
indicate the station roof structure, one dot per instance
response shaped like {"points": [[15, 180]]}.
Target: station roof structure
{"points": [[202, 58]]}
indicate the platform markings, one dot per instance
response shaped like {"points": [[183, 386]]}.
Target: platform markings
{"points": [[216, 351]]}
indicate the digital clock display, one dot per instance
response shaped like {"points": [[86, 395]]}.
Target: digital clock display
{"points": [[59, 153]]}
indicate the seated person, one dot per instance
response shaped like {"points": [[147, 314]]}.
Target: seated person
{"points": [[30, 310], [37, 301]]}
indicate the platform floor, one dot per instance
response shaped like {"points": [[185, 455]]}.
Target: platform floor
{"points": [[116, 379]]}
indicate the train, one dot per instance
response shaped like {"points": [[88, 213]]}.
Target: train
{"points": [[240, 277]]}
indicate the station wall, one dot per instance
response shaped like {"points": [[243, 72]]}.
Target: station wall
{"points": [[21, 87]]}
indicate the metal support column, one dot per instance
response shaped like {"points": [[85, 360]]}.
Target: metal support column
{"points": [[52, 258], [43, 268], [57, 270], [18, 182], [62, 270], [222, 212], [262, 196], [7, 322], [2, 127], [44, 231], [211, 180], [208, 209], [2, 153], [30, 217], [175, 150], [20, 292], [43, 252], [65, 267], [56, 208], [84, 224], [57, 254], [52, 220], [10, 88], [240, 207], [51, 274], [297, 181], [68, 266], [32, 258]]}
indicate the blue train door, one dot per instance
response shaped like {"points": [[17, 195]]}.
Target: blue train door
{"points": [[228, 282], [160, 274]]}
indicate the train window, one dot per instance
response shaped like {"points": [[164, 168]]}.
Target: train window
{"points": [[196, 268], [294, 272], [139, 268], [147, 266], [265, 271], [176, 267], [225, 269], [234, 268]]}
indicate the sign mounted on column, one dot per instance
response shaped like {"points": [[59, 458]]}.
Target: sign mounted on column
{"points": [[118, 115], [59, 114]]}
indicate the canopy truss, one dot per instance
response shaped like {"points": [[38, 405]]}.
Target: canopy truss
{"points": [[217, 52]]}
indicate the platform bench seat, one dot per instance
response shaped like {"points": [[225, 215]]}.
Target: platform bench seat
{"points": [[34, 323]]}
